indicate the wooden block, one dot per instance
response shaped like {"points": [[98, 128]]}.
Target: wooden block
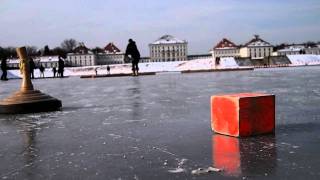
{"points": [[243, 114]]}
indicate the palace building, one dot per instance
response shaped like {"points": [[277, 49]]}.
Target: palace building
{"points": [[81, 56], [225, 48], [256, 48], [112, 55], [168, 48]]}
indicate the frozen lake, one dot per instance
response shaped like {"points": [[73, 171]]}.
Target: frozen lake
{"points": [[158, 127]]}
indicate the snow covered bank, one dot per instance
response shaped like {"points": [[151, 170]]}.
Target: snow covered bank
{"points": [[176, 66], [11, 74], [228, 62], [304, 59]]}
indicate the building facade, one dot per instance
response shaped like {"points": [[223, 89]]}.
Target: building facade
{"points": [[13, 63], [199, 56], [313, 50], [145, 59], [257, 48], [112, 55], [47, 61], [76, 59], [225, 48], [82, 56], [104, 58], [168, 48]]}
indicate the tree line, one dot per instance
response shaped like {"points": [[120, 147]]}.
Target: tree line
{"points": [[66, 46]]}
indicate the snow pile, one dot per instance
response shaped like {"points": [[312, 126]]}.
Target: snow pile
{"points": [[304, 59], [159, 66], [292, 49], [168, 39], [228, 62], [78, 71], [196, 64]]}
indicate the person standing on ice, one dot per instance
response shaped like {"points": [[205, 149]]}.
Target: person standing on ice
{"points": [[60, 67], [133, 51], [32, 67], [54, 70], [4, 70], [108, 69], [96, 71], [41, 71]]}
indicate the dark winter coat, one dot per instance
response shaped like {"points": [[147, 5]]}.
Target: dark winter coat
{"points": [[32, 65], [60, 65], [41, 68], [4, 65], [133, 51]]}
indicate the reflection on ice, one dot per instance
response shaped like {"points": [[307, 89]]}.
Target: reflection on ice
{"points": [[244, 157], [226, 154]]}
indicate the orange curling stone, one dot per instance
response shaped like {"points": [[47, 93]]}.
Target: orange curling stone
{"points": [[243, 114]]}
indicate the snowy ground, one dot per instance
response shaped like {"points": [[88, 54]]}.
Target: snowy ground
{"points": [[304, 59], [177, 66]]}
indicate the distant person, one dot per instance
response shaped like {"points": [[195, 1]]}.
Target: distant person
{"points": [[60, 67], [54, 70], [4, 69], [133, 51], [32, 67], [41, 71], [96, 71], [218, 61], [108, 69]]}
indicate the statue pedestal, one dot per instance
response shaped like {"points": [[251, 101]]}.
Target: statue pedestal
{"points": [[29, 101]]}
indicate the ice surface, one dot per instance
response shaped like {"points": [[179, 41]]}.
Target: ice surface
{"points": [[158, 127]]}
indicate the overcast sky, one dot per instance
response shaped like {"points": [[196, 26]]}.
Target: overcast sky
{"points": [[201, 22]]}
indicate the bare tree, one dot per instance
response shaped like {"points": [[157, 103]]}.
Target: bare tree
{"points": [[46, 51], [7, 52], [32, 50], [310, 44], [58, 51], [69, 44]]}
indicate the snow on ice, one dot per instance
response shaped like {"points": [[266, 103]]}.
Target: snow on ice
{"points": [[174, 66]]}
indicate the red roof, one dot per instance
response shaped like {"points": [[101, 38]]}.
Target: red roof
{"points": [[111, 48], [225, 43]]}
